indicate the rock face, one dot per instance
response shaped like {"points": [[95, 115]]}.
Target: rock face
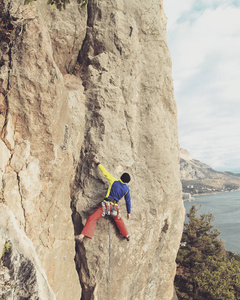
{"points": [[199, 178], [26, 278], [73, 84]]}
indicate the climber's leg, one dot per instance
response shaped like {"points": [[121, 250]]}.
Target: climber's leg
{"points": [[121, 226], [89, 227]]}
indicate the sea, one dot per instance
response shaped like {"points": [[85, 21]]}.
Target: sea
{"points": [[226, 209]]}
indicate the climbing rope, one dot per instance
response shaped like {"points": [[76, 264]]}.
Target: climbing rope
{"points": [[109, 274]]}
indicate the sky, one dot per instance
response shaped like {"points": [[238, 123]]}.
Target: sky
{"points": [[204, 41]]}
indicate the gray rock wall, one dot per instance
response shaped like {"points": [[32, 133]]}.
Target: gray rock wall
{"points": [[96, 82]]}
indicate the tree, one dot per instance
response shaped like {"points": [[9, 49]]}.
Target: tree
{"points": [[60, 4], [221, 279], [205, 271], [200, 246]]}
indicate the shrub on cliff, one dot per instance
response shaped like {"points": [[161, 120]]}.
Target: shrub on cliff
{"points": [[203, 269]]}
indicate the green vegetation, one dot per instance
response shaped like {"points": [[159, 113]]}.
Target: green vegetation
{"points": [[60, 4], [6, 249], [204, 269]]}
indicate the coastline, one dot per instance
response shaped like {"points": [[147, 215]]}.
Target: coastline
{"points": [[207, 194], [214, 193]]}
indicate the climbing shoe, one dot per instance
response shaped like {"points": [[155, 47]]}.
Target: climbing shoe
{"points": [[79, 238], [127, 238]]}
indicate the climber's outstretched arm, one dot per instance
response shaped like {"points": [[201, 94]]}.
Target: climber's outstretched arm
{"points": [[96, 160], [109, 177]]}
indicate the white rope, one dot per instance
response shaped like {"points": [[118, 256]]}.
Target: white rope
{"points": [[109, 275]]}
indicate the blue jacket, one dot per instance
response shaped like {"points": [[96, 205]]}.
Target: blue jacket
{"points": [[117, 189]]}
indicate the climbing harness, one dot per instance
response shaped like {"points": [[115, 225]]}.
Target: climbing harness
{"points": [[103, 209], [108, 210], [66, 136], [114, 211]]}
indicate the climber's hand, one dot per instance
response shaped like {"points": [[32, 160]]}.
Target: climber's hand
{"points": [[95, 159], [128, 216]]}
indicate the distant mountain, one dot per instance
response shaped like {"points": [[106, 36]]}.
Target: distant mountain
{"points": [[199, 178]]}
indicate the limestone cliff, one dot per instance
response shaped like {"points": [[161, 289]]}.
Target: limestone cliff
{"points": [[75, 83]]}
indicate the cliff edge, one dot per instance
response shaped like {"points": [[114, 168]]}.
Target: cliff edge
{"points": [[73, 84]]}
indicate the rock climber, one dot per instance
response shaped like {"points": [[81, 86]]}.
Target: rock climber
{"points": [[117, 189]]}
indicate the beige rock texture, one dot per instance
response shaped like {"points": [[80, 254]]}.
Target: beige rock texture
{"points": [[74, 84], [31, 281]]}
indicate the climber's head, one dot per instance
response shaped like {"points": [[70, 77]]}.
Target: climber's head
{"points": [[125, 178]]}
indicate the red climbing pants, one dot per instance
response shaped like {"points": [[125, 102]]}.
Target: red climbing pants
{"points": [[89, 227]]}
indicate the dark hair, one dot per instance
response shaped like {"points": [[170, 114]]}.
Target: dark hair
{"points": [[125, 177]]}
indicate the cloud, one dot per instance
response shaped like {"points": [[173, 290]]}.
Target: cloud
{"points": [[214, 34], [204, 41]]}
